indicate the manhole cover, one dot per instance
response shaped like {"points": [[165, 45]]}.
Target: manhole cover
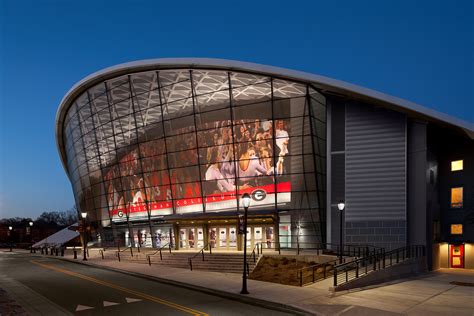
{"points": [[461, 283]]}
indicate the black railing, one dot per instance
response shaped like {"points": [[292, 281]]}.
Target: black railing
{"points": [[254, 255], [118, 252], [348, 271], [348, 250], [203, 249], [314, 273], [167, 245]]}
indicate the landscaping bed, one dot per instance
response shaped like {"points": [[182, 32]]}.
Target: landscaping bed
{"points": [[286, 271]]}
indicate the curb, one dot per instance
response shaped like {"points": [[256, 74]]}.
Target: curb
{"points": [[228, 295]]}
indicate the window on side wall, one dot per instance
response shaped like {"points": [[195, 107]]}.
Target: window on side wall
{"points": [[456, 197], [456, 229], [457, 165]]}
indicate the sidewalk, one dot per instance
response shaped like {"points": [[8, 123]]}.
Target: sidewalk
{"points": [[431, 294]]}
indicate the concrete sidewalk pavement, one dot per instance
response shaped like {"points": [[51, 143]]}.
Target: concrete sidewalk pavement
{"points": [[430, 294]]}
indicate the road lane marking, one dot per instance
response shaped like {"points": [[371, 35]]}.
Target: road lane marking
{"points": [[107, 303], [83, 308], [132, 300], [123, 289]]}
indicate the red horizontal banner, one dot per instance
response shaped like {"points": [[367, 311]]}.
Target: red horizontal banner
{"points": [[258, 194]]}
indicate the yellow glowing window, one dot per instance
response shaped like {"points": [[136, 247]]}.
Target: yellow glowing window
{"points": [[456, 197], [456, 165], [456, 229]]}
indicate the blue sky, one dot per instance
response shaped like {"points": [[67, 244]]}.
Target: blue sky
{"points": [[418, 50]]}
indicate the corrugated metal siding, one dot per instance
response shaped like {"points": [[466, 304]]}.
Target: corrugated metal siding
{"points": [[375, 164]]}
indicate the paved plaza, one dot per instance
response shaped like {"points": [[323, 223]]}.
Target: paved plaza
{"points": [[428, 294]]}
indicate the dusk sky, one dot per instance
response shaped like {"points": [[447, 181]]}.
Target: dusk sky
{"points": [[421, 51]]}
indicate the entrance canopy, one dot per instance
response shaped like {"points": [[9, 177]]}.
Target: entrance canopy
{"points": [[59, 238]]}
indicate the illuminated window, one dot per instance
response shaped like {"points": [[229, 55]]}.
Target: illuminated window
{"points": [[456, 197], [456, 165], [456, 229]]}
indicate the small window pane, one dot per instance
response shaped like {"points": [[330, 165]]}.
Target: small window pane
{"points": [[456, 229], [456, 197], [456, 165]]}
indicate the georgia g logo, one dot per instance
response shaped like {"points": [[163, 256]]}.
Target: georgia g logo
{"points": [[259, 195], [120, 214]]}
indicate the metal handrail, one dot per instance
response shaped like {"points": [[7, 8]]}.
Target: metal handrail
{"points": [[379, 260], [252, 255], [347, 249], [117, 253], [190, 259], [148, 257], [314, 267]]}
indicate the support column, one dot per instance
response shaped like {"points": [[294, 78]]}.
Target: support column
{"points": [[176, 236]]}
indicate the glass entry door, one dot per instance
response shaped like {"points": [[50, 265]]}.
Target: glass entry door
{"points": [[223, 238], [260, 234], [191, 238]]}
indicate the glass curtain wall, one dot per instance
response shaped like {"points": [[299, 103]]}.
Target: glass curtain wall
{"points": [[147, 145]]}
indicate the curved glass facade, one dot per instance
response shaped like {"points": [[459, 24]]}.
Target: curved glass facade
{"points": [[168, 145]]}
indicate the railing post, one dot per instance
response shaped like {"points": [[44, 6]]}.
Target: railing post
{"points": [[210, 249], [335, 275], [102, 253], [383, 258], [202, 252], [301, 277], [313, 274], [375, 262], [131, 251], [118, 256], [149, 260], [161, 255], [75, 254], [357, 269], [190, 261]]}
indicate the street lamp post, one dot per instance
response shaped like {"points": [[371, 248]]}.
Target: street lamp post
{"points": [[341, 205], [84, 241], [246, 204], [31, 235], [10, 229]]}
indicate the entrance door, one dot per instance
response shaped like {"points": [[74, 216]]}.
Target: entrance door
{"points": [[191, 238], [223, 238], [457, 256]]}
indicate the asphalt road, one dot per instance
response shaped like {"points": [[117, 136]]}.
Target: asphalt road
{"points": [[60, 287]]}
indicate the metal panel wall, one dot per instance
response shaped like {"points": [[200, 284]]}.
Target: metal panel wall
{"points": [[375, 164]]}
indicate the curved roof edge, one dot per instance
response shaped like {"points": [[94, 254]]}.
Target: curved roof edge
{"points": [[324, 83]]}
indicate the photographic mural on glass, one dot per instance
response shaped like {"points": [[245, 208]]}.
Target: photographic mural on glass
{"points": [[225, 175], [181, 141]]}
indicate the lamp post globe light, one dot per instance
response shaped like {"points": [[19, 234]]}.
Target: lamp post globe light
{"points": [[245, 204], [10, 228], [31, 235], [84, 241], [340, 206]]}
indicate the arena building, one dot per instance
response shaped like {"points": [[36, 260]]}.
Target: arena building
{"points": [[160, 151]]}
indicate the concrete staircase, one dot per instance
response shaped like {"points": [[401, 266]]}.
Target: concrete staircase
{"points": [[217, 261]]}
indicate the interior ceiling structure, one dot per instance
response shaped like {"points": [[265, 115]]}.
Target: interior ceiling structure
{"points": [[142, 99], [210, 82]]}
